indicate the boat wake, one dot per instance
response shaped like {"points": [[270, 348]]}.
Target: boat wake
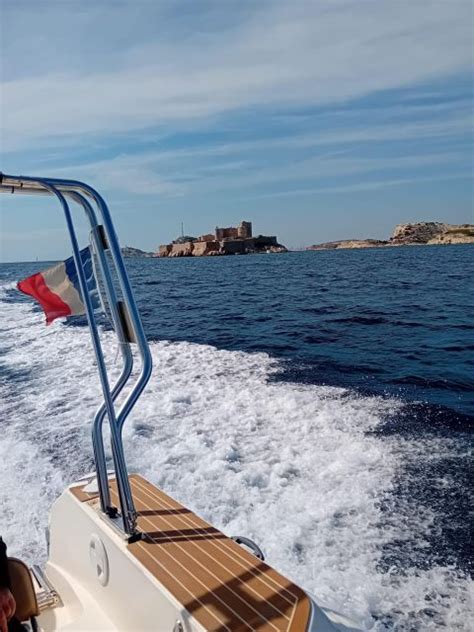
{"points": [[300, 469]]}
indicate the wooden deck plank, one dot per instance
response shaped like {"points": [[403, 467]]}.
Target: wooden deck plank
{"points": [[221, 584]]}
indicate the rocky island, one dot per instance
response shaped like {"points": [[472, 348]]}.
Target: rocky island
{"points": [[224, 241], [128, 251], [421, 233]]}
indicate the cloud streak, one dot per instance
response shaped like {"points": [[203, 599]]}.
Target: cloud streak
{"points": [[146, 175], [279, 55], [373, 185]]}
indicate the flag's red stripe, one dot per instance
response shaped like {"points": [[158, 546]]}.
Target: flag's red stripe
{"points": [[53, 306]]}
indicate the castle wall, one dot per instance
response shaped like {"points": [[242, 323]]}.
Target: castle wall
{"points": [[264, 240], [233, 247], [204, 248], [226, 233], [182, 250], [208, 237], [242, 231]]}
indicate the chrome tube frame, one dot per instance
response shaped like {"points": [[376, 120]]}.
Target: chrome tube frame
{"points": [[81, 193], [97, 434]]}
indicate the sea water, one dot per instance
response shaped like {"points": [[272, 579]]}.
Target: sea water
{"points": [[320, 403]]}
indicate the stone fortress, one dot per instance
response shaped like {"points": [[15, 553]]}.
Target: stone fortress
{"points": [[236, 240]]}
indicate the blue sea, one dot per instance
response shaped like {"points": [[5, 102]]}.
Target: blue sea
{"points": [[342, 381]]}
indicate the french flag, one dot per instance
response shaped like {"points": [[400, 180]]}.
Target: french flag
{"points": [[57, 289]]}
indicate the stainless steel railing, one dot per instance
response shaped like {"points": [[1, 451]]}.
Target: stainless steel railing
{"points": [[103, 238]]}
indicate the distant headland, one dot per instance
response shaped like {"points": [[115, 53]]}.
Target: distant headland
{"points": [[224, 241], [128, 251], [421, 233]]}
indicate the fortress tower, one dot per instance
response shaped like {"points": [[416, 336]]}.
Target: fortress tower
{"points": [[244, 230]]}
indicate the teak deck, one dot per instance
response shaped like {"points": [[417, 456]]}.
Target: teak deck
{"points": [[221, 584]]}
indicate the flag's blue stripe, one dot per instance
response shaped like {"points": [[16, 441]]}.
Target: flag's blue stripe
{"points": [[71, 272]]}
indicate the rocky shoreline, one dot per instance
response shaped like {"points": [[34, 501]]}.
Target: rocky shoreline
{"points": [[421, 233]]}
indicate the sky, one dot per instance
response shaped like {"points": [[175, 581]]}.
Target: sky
{"points": [[316, 120]]}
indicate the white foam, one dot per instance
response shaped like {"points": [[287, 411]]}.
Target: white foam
{"points": [[288, 465]]}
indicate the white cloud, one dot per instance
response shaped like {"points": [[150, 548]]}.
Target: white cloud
{"points": [[129, 175], [211, 166], [450, 126], [278, 54], [372, 185], [171, 175]]}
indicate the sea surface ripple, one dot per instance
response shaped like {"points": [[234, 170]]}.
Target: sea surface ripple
{"points": [[330, 393]]}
